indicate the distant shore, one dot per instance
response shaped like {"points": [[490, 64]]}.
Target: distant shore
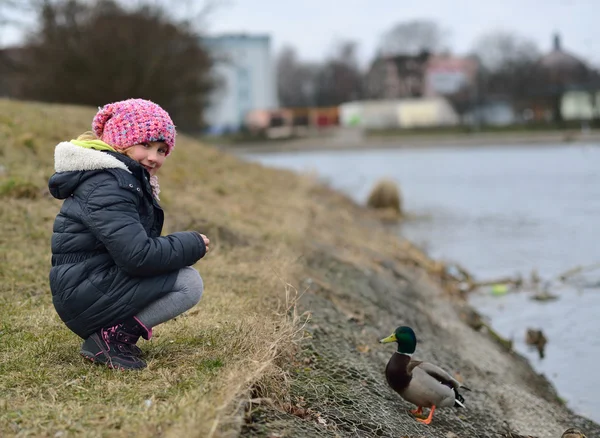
{"points": [[353, 140]]}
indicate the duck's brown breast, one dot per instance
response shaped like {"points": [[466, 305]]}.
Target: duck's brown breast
{"points": [[396, 373]]}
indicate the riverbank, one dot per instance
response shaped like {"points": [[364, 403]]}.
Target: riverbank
{"points": [[337, 387], [300, 285], [351, 139]]}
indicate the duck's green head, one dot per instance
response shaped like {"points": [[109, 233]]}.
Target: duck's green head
{"points": [[406, 339]]}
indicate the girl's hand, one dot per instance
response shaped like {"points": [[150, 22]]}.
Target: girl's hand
{"points": [[206, 241]]}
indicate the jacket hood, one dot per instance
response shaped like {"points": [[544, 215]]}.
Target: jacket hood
{"points": [[74, 164]]}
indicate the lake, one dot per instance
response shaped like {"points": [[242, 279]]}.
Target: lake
{"points": [[500, 211]]}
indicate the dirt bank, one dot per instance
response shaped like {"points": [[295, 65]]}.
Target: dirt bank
{"points": [[337, 383]]}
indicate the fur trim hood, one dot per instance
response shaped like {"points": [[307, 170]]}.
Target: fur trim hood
{"points": [[75, 164], [69, 158]]}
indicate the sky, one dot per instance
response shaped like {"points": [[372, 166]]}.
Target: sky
{"points": [[313, 26]]}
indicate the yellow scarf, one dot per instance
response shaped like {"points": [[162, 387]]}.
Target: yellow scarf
{"points": [[98, 145]]}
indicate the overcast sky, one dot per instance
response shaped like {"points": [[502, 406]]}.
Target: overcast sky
{"points": [[312, 26]]}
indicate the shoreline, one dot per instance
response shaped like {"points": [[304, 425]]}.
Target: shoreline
{"points": [[285, 340], [423, 284], [352, 303], [353, 141]]}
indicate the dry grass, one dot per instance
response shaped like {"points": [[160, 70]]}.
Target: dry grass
{"points": [[386, 195], [201, 365]]}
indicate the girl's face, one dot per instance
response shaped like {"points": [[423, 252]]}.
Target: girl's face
{"points": [[151, 155]]}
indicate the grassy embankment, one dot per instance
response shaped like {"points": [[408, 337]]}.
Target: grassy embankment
{"points": [[203, 366]]}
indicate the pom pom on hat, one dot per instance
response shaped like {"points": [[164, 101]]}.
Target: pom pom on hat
{"points": [[134, 121]]}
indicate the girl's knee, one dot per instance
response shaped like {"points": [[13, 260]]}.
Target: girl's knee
{"points": [[197, 290], [194, 286]]}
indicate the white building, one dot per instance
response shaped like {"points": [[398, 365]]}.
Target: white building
{"points": [[580, 105], [398, 113], [245, 69]]}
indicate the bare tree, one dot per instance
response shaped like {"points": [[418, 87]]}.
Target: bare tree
{"points": [[296, 80], [95, 52], [509, 66], [413, 37], [196, 13], [340, 79], [499, 49]]}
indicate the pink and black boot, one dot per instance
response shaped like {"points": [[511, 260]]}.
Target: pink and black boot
{"points": [[116, 346]]}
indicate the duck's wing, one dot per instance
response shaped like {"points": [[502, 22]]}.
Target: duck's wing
{"points": [[440, 375], [426, 390]]}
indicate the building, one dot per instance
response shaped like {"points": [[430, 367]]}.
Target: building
{"points": [[396, 77], [398, 113], [448, 75], [558, 73], [492, 112], [246, 75], [563, 67], [580, 105], [425, 75], [291, 121]]}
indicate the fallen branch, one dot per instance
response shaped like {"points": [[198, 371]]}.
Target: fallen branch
{"points": [[457, 280], [577, 270]]}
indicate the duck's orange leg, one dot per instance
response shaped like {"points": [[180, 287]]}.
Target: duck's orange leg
{"points": [[428, 419], [418, 411]]}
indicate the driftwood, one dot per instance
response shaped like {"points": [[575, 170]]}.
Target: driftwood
{"points": [[577, 270], [517, 281], [544, 296], [457, 280]]}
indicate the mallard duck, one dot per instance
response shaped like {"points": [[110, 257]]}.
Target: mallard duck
{"points": [[572, 432], [420, 383]]}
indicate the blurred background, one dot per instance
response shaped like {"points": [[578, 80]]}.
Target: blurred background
{"points": [[485, 116], [279, 69]]}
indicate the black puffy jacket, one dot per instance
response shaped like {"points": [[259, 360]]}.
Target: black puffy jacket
{"points": [[108, 258]]}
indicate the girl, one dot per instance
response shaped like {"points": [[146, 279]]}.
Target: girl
{"points": [[113, 276]]}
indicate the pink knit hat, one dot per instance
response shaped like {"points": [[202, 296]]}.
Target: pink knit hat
{"points": [[134, 121]]}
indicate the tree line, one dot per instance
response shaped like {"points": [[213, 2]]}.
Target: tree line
{"points": [[91, 52], [509, 67], [94, 52]]}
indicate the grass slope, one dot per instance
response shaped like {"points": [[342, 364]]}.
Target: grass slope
{"points": [[201, 364]]}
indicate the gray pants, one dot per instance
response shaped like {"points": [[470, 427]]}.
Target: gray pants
{"points": [[186, 293]]}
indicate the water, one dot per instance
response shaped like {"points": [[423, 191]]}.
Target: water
{"points": [[499, 211]]}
